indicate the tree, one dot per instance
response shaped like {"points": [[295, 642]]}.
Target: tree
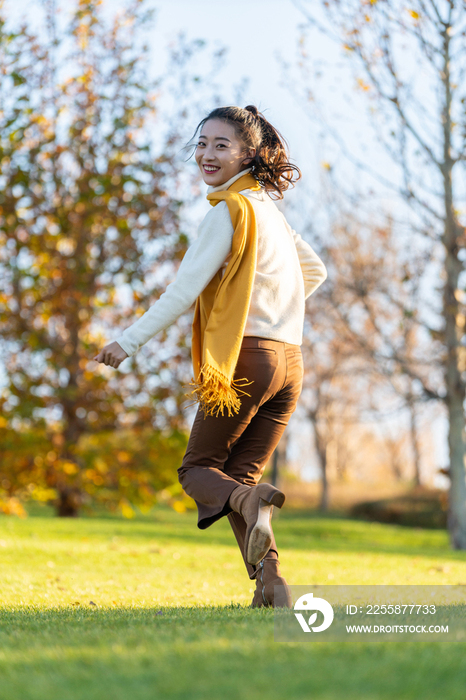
{"points": [[423, 131], [86, 204], [368, 356]]}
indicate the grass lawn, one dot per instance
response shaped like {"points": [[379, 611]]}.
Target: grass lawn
{"points": [[104, 608]]}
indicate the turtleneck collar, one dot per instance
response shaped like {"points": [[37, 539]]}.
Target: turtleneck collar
{"points": [[226, 185]]}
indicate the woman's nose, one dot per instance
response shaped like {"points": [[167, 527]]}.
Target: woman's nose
{"points": [[209, 154]]}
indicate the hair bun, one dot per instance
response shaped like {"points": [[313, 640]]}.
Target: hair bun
{"points": [[253, 109]]}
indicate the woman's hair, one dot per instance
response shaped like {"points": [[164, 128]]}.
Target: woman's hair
{"points": [[271, 165]]}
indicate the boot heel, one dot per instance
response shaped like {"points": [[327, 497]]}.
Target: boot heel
{"points": [[278, 499], [272, 496]]}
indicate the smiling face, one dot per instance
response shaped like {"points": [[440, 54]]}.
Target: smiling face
{"points": [[220, 154]]}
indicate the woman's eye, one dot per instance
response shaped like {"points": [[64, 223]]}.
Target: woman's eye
{"points": [[201, 143], [221, 144]]}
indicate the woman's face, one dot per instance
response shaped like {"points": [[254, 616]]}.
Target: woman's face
{"points": [[220, 154]]}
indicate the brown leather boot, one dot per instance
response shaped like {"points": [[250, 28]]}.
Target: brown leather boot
{"points": [[265, 595], [255, 504]]}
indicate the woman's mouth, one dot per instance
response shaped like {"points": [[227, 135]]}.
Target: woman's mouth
{"points": [[211, 168]]}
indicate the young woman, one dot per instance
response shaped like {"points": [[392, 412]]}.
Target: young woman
{"points": [[249, 274]]}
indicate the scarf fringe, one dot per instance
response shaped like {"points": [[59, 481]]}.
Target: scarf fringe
{"points": [[215, 392]]}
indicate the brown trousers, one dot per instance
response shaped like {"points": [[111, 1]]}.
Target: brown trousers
{"points": [[226, 450]]}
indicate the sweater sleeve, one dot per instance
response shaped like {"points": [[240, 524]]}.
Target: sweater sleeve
{"points": [[312, 267], [201, 262]]}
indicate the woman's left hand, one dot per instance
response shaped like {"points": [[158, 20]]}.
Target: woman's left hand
{"points": [[112, 354]]}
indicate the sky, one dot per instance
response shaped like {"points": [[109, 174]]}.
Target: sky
{"points": [[261, 36]]}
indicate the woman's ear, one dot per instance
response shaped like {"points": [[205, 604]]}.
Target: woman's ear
{"points": [[250, 155]]}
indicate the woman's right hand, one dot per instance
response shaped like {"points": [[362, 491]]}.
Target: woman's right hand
{"points": [[112, 354]]}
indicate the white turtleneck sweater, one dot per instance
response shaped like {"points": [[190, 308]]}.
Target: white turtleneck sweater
{"points": [[287, 272]]}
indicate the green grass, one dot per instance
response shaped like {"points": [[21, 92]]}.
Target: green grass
{"points": [[170, 616]]}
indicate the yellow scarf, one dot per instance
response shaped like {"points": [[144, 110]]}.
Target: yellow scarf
{"points": [[222, 308]]}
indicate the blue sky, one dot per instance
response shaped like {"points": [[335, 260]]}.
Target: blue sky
{"points": [[260, 35]]}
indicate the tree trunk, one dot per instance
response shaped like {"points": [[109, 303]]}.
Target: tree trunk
{"points": [[395, 463], [415, 444], [323, 505], [322, 453], [453, 333], [70, 496], [69, 502], [274, 474]]}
